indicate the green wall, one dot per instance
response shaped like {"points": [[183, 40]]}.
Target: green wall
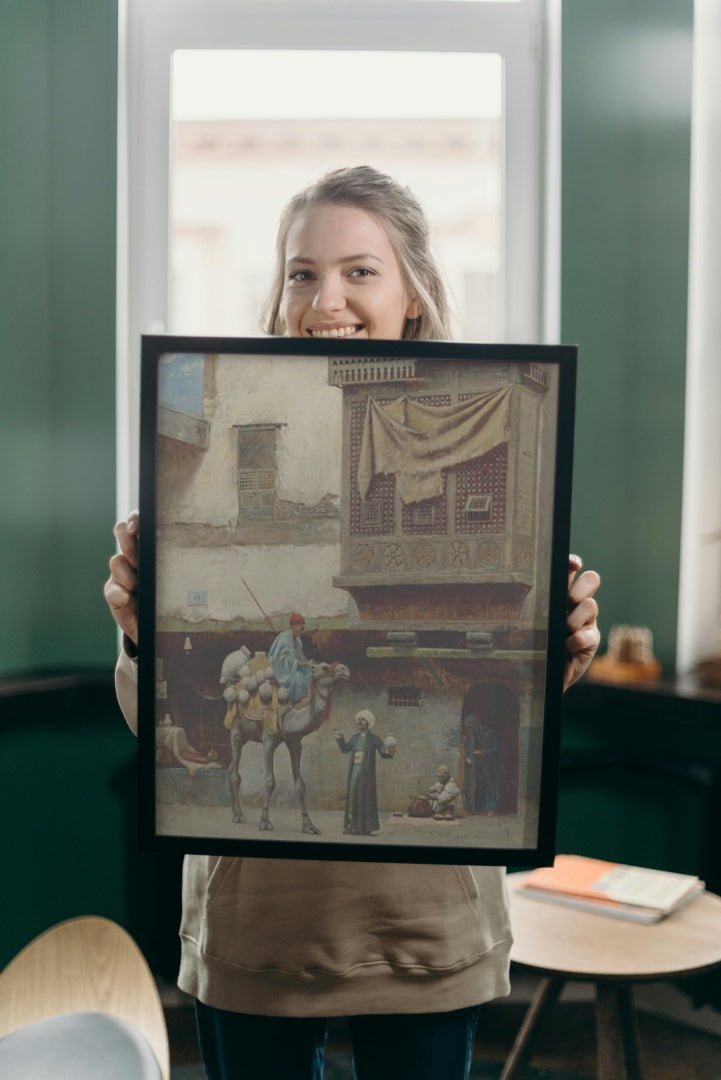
{"points": [[58, 73], [68, 792], [626, 145]]}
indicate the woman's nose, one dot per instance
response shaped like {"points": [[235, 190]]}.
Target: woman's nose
{"points": [[329, 296]]}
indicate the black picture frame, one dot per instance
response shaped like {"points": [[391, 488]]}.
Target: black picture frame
{"points": [[410, 500]]}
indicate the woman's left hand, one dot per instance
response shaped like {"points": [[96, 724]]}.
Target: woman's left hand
{"points": [[583, 636]]}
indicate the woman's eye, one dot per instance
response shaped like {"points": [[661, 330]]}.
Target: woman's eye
{"points": [[362, 272], [300, 276]]}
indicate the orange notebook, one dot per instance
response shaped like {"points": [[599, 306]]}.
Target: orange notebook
{"points": [[632, 892]]}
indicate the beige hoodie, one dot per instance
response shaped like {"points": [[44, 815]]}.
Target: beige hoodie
{"points": [[299, 938]]}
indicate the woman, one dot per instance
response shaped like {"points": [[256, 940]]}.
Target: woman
{"points": [[407, 953]]}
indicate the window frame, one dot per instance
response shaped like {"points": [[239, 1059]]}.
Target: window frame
{"points": [[266, 494], [526, 34]]}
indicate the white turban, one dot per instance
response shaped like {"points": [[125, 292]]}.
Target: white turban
{"points": [[365, 714]]}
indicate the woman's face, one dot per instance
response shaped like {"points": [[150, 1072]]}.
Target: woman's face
{"points": [[342, 277]]}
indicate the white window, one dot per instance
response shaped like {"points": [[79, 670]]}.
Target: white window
{"points": [[478, 508], [227, 107], [235, 160]]}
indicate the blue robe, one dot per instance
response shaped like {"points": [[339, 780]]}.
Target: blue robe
{"points": [[286, 657], [481, 752]]}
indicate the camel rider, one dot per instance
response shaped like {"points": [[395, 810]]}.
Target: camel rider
{"points": [[290, 667]]}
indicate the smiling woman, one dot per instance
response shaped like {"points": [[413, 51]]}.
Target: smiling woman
{"points": [[332, 292], [353, 254], [353, 260]]}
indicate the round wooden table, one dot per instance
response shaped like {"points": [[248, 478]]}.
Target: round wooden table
{"points": [[563, 944]]}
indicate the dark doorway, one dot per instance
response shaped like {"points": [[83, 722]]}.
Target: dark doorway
{"points": [[489, 750]]}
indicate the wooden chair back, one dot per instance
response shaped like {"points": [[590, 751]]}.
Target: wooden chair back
{"points": [[87, 964]]}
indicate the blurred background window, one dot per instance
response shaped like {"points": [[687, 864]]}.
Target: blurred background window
{"points": [[228, 107], [237, 156]]}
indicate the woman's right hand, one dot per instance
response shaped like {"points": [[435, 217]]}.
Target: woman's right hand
{"points": [[121, 587]]}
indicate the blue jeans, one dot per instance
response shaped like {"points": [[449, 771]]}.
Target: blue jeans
{"points": [[414, 1046]]}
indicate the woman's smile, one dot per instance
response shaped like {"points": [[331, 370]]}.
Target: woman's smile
{"points": [[334, 331]]}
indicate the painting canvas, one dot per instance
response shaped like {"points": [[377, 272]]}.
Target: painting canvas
{"points": [[353, 574]]}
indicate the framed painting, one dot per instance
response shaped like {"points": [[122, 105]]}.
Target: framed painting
{"points": [[352, 597]]}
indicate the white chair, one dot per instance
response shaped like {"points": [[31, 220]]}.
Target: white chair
{"points": [[79, 1002]]}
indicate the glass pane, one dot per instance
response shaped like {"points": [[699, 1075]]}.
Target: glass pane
{"points": [[239, 154]]}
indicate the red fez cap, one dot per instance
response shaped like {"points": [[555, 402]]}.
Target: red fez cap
{"points": [[297, 620]]}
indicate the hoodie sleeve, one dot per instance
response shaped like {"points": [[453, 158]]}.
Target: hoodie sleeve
{"points": [[126, 688]]}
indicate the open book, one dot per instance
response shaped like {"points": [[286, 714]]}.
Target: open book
{"points": [[608, 888]]}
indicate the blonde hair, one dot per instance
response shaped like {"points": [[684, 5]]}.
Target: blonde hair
{"points": [[403, 217]]}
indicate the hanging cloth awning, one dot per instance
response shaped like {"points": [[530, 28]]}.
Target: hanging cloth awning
{"points": [[415, 442]]}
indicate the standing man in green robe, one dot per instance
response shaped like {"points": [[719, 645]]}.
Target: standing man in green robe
{"points": [[361, 806]]}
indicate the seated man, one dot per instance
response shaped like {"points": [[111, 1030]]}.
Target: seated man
{"points": [[441, 801]]}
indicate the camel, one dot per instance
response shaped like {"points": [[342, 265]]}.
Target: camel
{"points": [[259, 711]]}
